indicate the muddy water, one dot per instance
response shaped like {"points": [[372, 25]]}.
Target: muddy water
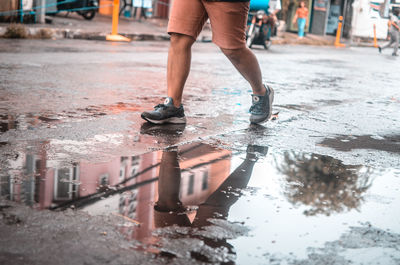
{"points": [[206, 203]]}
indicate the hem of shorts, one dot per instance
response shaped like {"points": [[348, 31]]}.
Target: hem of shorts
{"points": [[229, 47], [180, 32], [183, 32]]}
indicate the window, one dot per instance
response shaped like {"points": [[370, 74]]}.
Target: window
{"points": [[5, 186], [65, 183], [191, 184], [204, 183]]}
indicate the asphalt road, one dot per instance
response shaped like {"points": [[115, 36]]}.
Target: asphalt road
{"points": [[73, 101], [322, 94]]}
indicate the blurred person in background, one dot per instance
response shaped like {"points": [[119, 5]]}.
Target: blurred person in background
{"points": [[393, 33], [301, 18]]}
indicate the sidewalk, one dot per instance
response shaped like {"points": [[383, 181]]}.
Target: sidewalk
{"points": [[74, 26]]}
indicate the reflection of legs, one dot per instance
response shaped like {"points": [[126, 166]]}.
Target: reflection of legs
{"points": [[168, 193], [220, 202], [169, 182]]}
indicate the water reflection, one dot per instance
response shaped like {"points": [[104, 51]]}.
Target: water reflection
{"points": [[169, 209], [154, 190], [23, 121], [323, 183], [170, 199]]}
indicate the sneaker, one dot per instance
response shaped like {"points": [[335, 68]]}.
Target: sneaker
{"points": [[395, 54], [261, 108], [165, 113]]}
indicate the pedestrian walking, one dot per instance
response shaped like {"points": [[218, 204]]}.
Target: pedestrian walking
{"points": [[228, 20], [301, 18], [393, 33], [274, 7], [140, 8]]}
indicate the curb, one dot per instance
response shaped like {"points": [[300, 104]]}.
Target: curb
{"points": [[66, 33]]}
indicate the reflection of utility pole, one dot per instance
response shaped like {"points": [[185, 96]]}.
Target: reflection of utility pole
{"points": [[41, 12]]}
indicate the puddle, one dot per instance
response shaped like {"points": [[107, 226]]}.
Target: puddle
{"points": [[388, 143], [208, 204]]}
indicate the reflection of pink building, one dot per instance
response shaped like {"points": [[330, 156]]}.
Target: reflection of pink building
{"points": [[203, 169]]}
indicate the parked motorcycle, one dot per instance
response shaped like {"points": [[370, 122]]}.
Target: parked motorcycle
{"points": [[85, 8], [259, 29]]}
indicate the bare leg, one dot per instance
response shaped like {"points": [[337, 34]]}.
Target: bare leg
{"points": [[247, 65], [179, 58]]}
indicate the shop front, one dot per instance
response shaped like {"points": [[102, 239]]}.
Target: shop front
{"points": [[323, 15], [159, 8]]}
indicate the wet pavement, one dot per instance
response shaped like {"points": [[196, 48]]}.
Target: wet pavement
{"points": [[319, 184]]}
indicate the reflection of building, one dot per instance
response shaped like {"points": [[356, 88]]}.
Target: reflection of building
{"points": [[124, 186], [203, 171]]}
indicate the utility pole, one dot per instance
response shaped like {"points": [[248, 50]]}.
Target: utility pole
{"points": [[41, 12]]}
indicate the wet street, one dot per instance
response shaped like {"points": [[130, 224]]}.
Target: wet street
{"points": [[84, 180]]}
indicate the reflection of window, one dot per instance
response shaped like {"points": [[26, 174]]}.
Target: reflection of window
{"points": [[191, 184], [103, 180], [128, 204], [204, 184], [65, 182], [37, 179], [134, 165], [63, 187], [31, 181], [5, 187], [135, 160], [122, 172]]}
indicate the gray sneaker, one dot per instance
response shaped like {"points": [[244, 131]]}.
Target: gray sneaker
{"points": [[165, 113], [261, 108]]}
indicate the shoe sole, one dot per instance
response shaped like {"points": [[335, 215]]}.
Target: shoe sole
{"points": [[271, 99], [172, 120]]}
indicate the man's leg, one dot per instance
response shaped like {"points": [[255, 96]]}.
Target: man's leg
{"points": [[246, 63], [186, 20], [179, 59], [396, 42], [387, 45], [228, 23]]}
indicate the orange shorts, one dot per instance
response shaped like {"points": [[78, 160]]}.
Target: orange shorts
{"points": [[228, 20]]}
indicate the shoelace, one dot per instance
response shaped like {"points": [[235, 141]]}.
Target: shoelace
{"points": [[256, 107], [160, 106]]}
